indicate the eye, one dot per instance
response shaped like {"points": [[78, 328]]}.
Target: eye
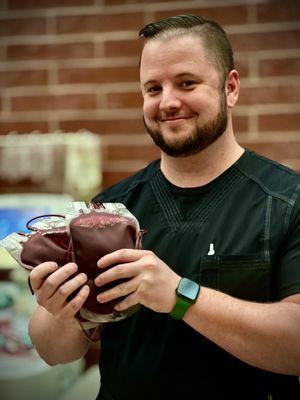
{"points": [[187, 84], [152, 90]]}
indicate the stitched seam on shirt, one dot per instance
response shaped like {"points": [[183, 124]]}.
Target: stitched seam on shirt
{"points": [[171, 211], [267, 227], [290, 208], [168, 201], [166, 212], [264, 188], [273, 163], [221, 191], [165, 200]]}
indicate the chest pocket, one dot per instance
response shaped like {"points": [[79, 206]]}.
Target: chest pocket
{"points": [[245, 277]]}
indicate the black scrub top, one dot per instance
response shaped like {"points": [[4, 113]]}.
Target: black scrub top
{"points": [[239, 234]]}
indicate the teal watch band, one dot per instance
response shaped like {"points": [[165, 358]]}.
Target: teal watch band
{"points": [[187, 293]]}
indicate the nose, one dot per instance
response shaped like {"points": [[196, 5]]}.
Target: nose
{"points": [[169, 100]]}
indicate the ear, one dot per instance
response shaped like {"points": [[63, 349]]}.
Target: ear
{"points": [[232, 88]]}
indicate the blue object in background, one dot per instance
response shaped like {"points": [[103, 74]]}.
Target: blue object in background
{"points": [[15, 219]]}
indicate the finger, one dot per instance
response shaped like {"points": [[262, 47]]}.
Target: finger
{"points": [[120, 256], [120, 271], [64, 292], [129, 301], [40, 272], [72, 307], [56, 279], [123, 289]]}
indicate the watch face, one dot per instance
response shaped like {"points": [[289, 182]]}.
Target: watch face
{"points": [[188, 289]]}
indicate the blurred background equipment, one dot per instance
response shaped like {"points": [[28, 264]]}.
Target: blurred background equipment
{"points": [[39, 174], [65, 163], [23, 374]]}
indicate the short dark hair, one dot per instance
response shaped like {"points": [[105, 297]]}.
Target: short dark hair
{"points": [[214, 37]]}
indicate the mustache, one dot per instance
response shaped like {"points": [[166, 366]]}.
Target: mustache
{"points": [[174, 115]]}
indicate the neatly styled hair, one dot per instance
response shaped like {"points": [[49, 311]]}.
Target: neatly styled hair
{"points": [[214, 38]]}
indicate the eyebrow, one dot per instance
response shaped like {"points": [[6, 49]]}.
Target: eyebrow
{"points": [[185, 74], [150, 82]]}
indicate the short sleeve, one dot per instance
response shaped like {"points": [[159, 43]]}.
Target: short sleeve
{"points": [[288, 263]]}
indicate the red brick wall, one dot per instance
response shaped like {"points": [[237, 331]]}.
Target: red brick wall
{"points": [[72, 64]]}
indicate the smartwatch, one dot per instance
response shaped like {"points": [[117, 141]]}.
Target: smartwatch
{"points": [[186, 293]]}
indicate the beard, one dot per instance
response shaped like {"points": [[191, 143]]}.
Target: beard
{"points": [[200, 138]]}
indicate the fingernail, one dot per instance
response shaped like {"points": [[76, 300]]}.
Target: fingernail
{"points": [[86, 289], [100, 297], [97, 281], [73, 267]]}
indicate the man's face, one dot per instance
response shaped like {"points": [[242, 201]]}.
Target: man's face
{"points": [[184, 109]]}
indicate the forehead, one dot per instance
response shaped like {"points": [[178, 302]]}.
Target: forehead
{"points": [[178, 54]]}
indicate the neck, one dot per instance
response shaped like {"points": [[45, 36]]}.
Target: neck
{"points": [[202, 168]]}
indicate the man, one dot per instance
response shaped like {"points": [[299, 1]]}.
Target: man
{"points": [[223, 218]]}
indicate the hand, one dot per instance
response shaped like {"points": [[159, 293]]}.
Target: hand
{"points": [[150, 281], [52, 286]]}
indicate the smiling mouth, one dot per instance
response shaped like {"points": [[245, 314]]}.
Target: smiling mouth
{"points": [[177, 118]]}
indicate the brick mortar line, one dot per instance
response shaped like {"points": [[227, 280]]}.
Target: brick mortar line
{"points": [[99, 49], [52, 77], [101, 101], [253, 125], [251, 14], [74, 89], [263, 27], [148, 17], [6, 104], [269, 137], [267, 54], [73, 63], [132, 34], [126, 8], [69, 38], [50, 26], [253, 67], [270, 81], [69, 115], [266, 109]]}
